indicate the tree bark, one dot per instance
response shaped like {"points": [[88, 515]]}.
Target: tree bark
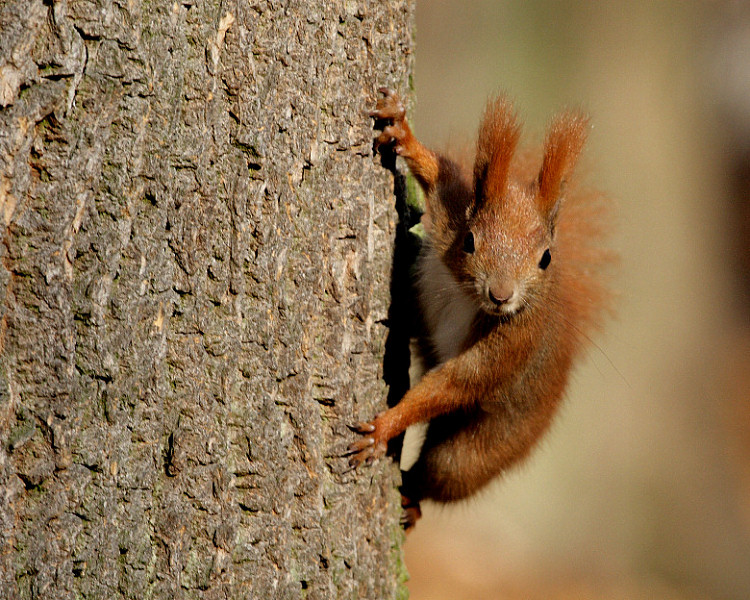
{"points": [[194, 286]]}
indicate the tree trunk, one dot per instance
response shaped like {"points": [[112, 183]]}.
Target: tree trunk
{"points": [[196, 247]]}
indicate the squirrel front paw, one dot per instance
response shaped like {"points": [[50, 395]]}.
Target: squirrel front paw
{"points": [[391, 113], [368, 448], [389, 107]]}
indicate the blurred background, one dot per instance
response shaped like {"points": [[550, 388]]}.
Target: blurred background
{"points": [[642, 490]]}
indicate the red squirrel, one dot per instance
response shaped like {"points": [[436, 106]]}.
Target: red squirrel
{"points": [[510, 286]]}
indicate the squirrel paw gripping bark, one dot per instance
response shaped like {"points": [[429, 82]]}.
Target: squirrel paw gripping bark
{"points": [[391, 111], [371, 446]]}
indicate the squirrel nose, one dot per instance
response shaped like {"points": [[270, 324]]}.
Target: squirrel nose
{"points": [[500, 293]]}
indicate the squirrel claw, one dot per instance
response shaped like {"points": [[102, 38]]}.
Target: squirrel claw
{"points": [[392, 136], [362, 427], [365, 451], [382, 140], [361, 444], [368, 448], [389, 107]]}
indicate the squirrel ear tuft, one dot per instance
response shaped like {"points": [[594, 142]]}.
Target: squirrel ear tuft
{"points": [[498, 137], [563, 145]]}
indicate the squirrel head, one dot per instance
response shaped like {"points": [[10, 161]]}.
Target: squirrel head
{"points": [[505, 251]]}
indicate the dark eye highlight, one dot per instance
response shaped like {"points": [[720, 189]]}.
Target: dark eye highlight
{"points": [[545, 260], [469, 243]]}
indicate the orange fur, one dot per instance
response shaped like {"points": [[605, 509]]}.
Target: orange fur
{"points": [[498, 137], [510, 290]]}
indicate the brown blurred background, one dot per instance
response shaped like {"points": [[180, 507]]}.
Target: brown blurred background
{"points": [[643, 488]]}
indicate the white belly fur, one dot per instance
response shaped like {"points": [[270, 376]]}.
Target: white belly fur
{"points": [[448, 314], [448, 311]]}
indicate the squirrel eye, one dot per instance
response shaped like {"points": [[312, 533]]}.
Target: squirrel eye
{"points": [[469, 243], [545, 260]]}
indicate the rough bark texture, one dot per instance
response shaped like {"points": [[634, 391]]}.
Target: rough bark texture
{"points": [[195, 260]]}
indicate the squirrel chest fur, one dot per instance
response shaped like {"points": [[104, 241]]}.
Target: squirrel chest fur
{"points": [[510, 288], [448, 312]]}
